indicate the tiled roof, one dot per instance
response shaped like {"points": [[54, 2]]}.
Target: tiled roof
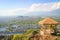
{"points": [[48, 21]]}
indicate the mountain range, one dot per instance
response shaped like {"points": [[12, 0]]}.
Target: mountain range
{"points": [[55, 13], [32, 15]]}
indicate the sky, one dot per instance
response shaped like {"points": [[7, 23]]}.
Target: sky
{"points": [[22, 7]]}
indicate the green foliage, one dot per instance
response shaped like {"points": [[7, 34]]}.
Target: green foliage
{"points": [[29, 31], [20, 37], [16, 37], [9, 37], [24, 36]]}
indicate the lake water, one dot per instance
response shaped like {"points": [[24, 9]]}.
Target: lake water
{"points": [[2, 29], [10, 33]]}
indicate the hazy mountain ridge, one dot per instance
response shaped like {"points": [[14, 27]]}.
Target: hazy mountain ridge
{"points": [[32, 16], [44, 14]]}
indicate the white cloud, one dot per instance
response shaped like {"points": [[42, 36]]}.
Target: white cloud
{"points": [[45, 7], [13, 12], [33, 8]]}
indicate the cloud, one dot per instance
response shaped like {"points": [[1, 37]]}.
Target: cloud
{"points": [[13, 12], [41, 7], [45, 7]]}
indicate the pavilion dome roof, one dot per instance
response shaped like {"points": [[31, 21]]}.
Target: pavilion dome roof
{"points": [[48, 21]]}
